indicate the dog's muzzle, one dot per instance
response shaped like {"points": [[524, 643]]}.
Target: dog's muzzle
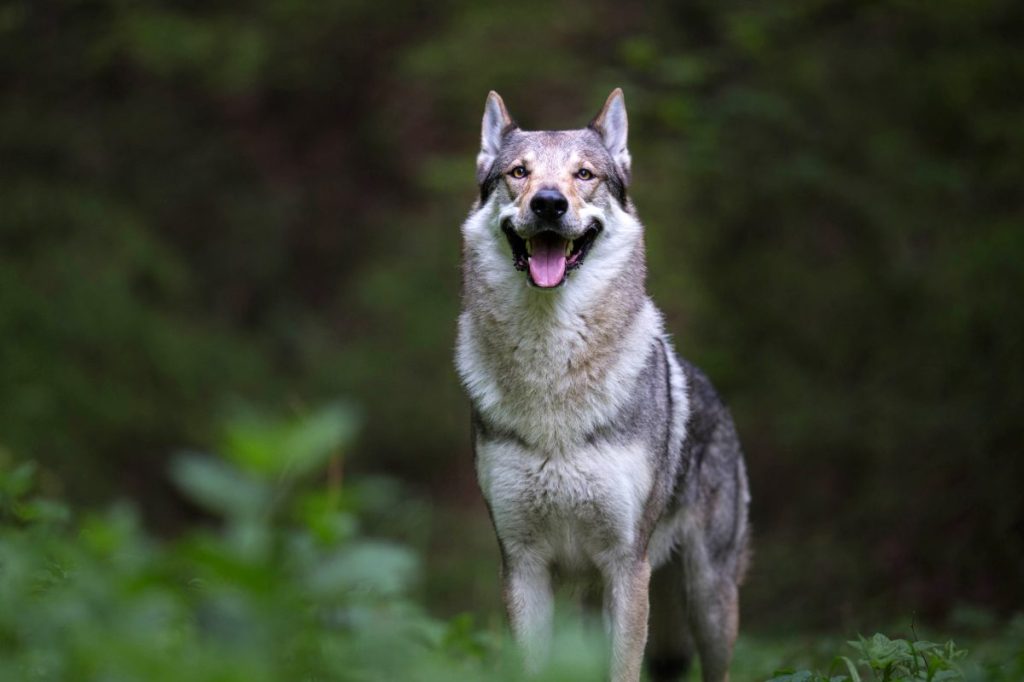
{"points": [[549, 255]]}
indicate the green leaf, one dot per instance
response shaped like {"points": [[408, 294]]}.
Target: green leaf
{"points": [[373, 567], [219, 487], [43, 511], [792, 676], [312, 440], [882, 652], [289, 448], [854, 675], [19, 482]]}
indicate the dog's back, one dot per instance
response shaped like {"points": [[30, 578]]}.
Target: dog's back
{"points": [[597, 450]]}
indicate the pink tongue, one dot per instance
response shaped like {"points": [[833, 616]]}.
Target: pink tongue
{"points": [[547, 263]]}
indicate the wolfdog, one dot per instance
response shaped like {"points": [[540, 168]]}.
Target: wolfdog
{"points": [[601, 455]]}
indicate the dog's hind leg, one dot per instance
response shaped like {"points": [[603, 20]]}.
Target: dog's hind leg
{"points": [[714, 547], [669, 642], [712, 597]]}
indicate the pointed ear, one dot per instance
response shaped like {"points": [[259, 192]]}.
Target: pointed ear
{"points": [[611, 124], [496, 123]]}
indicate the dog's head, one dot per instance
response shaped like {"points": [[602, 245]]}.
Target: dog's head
{"points": [[554, 195]]}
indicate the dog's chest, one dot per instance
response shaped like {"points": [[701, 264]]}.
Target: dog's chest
{"points": [[550, 378], [574, 507]]}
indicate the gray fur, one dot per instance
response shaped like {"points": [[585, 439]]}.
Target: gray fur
{"points": [[587, 141], [602, 455]]}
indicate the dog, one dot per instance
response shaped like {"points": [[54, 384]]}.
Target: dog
{"points": [[601, 455]]}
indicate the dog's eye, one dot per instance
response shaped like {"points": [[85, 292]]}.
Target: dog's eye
{"points": [[584, 174], [518, 172]]}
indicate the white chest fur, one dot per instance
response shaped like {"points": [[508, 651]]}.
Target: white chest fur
{"points": [[577, 508], [544, 382]]}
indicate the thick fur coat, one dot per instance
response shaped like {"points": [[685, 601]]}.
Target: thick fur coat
{"points": [[601, 454]]}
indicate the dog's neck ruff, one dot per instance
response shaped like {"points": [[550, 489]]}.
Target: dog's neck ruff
{"points": [[550, 367]]}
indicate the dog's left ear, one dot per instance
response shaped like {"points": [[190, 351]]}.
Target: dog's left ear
{"points": [[611, 124]]}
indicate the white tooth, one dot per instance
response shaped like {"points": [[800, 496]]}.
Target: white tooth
{"points": [[529, 247], [568, 248]]}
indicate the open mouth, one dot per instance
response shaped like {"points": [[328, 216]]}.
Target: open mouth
{"points": [[548, 256]]}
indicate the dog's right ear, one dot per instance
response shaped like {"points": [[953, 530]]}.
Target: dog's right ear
{"points": [[496, 123]]}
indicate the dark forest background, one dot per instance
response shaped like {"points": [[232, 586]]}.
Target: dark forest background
{"points": [[207, 205]]}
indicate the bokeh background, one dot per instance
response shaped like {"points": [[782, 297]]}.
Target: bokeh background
{"points": [[212, 204]]}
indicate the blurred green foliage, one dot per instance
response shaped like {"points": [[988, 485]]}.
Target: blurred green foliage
{"points": [[285, 586], [207, 204], [284, 583]]}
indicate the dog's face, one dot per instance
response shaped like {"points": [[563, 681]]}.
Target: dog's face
{"points": [[555, 192]]}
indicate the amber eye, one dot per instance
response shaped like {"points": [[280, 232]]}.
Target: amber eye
{"points": [[518, 172], [584, 174]]}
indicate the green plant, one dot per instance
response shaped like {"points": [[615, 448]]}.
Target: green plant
{"points": [[888, 660], [281, 585]]}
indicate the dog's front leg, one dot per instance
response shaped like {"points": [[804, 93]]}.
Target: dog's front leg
{"points": [[530, 606], [626, 608]]}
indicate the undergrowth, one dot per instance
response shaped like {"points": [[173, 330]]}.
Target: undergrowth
{"points": [[284, 585], [888, 660]]}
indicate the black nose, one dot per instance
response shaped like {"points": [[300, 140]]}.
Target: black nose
{"points": [[549, 204]]}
